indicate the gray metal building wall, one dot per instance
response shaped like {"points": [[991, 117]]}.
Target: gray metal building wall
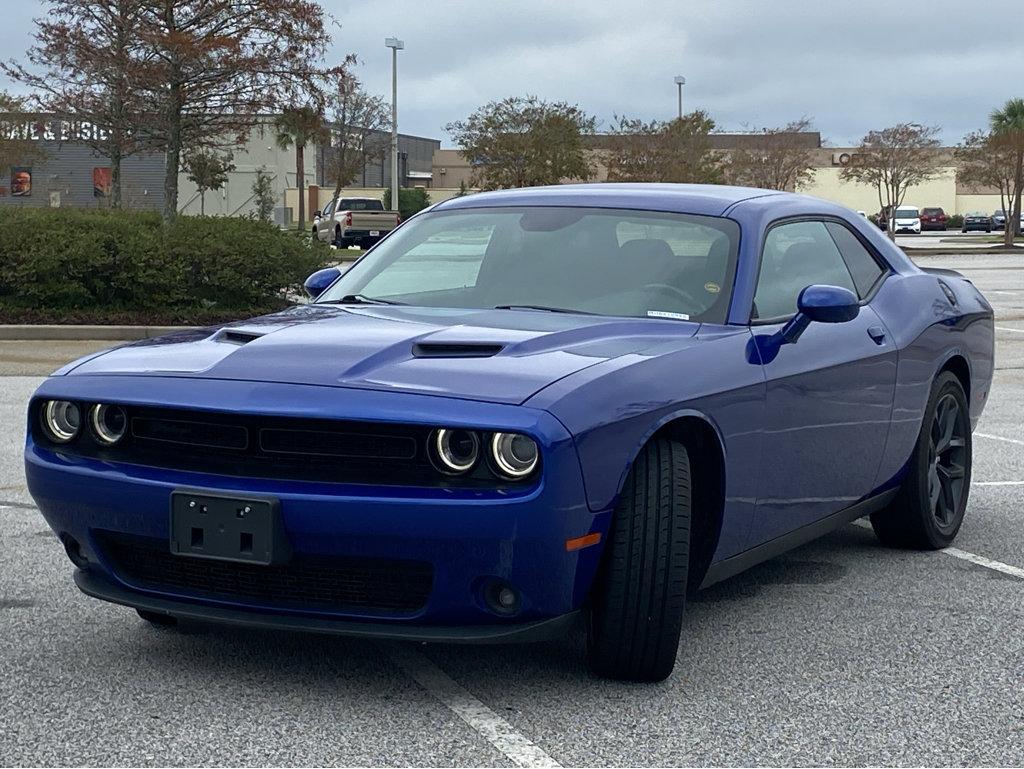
{"points": [[415, 153], [67, 169]]}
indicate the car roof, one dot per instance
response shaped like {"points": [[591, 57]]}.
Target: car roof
{"points": [[706, 199]]}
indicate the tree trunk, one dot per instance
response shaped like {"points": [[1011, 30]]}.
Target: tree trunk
{"points": [[115, 174], [1019, 174], [202, 202], [300, 180], [173, 154]]}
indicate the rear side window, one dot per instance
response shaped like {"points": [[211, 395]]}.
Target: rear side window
{"points": [[862, 265], [797, 255]]}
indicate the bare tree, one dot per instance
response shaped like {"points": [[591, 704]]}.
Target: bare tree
{"points": [[524, 141], [16, 125], [774, 158], [360, 123], [86, 62], [219, 64], [674, 151], [892, 161], [984, 162], [208, 170]]}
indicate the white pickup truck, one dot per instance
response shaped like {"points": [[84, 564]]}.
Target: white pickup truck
{"points": [[354, 222]]}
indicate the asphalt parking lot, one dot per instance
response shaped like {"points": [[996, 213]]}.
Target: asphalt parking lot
{"points": [[840, 653]]}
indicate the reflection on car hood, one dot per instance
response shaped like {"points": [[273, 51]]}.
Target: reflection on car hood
{"points": [[492, 355]]}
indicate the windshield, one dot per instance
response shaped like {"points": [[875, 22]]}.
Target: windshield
{"points": [[906, 213], [603, 261], [931, 211]]}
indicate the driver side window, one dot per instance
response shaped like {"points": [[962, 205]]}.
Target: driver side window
{"points": [[796, 255]]}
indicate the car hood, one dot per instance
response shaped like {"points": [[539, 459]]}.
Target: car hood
{"points": [[501, 356]]}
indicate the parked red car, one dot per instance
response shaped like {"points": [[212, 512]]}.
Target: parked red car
{"points": [[933, 219]]}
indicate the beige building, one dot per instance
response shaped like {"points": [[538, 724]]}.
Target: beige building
{"points": [[450, 169]]}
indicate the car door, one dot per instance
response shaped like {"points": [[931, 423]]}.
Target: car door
{"points": [[325, 227], [829, 396]]}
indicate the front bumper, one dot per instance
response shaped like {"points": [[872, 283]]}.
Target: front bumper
{"points": [[468, 536]]}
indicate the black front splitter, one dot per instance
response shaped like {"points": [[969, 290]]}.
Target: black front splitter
{"points": [[97, 586]]}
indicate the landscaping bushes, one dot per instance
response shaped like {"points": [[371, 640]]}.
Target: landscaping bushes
{"points": [[102, 266]]}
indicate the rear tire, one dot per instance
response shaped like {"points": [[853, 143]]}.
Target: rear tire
{"points": [[929, 509], [156, 618], [637, 602]]}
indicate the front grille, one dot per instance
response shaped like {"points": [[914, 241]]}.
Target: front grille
{"points": [[306, 583], [286, 448]]}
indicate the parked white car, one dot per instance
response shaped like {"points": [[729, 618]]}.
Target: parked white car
{"points": [[907, 219]]}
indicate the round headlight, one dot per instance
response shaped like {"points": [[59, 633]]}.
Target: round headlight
{"points": [[515, 456], [109, 423], [456, 451], [61, 420]]}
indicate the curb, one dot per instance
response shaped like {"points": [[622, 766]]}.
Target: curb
{"points": [[28, 333], [950, 251]]}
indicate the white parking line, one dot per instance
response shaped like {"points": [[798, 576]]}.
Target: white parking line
{"points": [[492, 727], [963, 555], [1000, 438], [997, 483], [1007, 328]]}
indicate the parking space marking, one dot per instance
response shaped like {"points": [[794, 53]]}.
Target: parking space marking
{"points": [[963, 555], [1000, 438], [997, 483], [488, 724], [1007, 328]]}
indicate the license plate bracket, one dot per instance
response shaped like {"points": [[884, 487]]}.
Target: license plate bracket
{"points": [[227, 527]]}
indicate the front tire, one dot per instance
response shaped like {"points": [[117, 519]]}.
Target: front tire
{"points": [[637, 603], [929, 509]]}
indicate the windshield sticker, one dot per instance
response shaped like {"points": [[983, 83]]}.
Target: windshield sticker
{"points": [[672, 315], [711, 287]]}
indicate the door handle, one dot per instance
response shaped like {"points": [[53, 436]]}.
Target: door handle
{"points": [[877, 333]]}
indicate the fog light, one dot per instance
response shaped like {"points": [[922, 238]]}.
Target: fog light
{"points": [[109, 423], [61, 420], [501, 597]]}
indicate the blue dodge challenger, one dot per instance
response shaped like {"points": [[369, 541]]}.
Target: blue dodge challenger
{"points": [[521, 409]]}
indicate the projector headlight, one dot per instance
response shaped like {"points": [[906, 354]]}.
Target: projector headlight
{"points": [[61, 420], [109, 423], [455, 451], [515, 456]]}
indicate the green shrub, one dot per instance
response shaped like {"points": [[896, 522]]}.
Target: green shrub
{"points": [[70, 261], [411, 200], [955, 222]]}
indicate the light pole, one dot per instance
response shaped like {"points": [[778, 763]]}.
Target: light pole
{"points": [[680, 82], [395, 45]]}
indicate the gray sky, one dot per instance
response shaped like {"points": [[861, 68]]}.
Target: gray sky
{"points": [[852, 66]]}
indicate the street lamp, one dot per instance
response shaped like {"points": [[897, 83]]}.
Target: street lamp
{"points": [[680, 82], [395, 45]]}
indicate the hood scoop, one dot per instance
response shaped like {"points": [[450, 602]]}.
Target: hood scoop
{"points": [[237, 336], [456, 349]]}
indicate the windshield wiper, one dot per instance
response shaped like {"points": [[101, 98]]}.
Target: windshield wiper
{"points": [[360, 299], [542, 308]]}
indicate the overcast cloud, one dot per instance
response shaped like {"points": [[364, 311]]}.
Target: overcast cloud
{"points": [[852, 66]]}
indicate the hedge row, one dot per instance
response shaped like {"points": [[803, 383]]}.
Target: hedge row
{"points": [[68, 265]]}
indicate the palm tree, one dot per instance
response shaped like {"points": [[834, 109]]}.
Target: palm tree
{"points": [[299, 126], [1008, 129]]}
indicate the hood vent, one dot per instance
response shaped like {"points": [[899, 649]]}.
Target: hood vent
{"points": [[237, 336], [456, 350]]}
